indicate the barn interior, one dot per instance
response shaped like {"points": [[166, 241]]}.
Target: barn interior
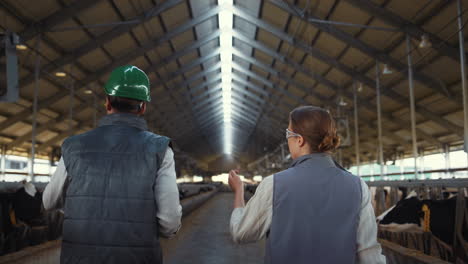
{"points": [[224, 77]]}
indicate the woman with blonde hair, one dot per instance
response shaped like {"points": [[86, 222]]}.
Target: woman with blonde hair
{"points": [[313, 212]]}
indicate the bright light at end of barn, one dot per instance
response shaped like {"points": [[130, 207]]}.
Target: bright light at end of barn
{"points": [[225, 41], [224, 178]]}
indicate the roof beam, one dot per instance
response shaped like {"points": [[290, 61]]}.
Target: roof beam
{"points": [[79, 124], [101, 39], [264, 104], [183, 84], [206, 109], [407, 26], [203, 103], [243, 94], [326, 100], [428, 81], [246, 101], [209, 91], [54, 140], [440, 7], [277, 56], [242, 91], [220, 117], [219, 107], [240, 80], [235, 103], [180, 53], [422, 110], [56, 18], [269, 83], [273, 110], [101, 72], [169, 124], [215, 91], [207, 113], [47, 126], [205, 83], [331, 61]]}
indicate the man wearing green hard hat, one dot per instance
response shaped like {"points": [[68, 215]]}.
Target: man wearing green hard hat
{"points": [[118, 182]]}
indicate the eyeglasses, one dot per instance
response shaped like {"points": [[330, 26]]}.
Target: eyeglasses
{"points": [[289, 134]]}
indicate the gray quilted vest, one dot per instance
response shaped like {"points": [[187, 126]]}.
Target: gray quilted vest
{"points": [[316, 206], [110, 212]]}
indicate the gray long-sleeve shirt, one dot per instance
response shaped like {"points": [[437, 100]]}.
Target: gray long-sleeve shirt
{"points": [[166, 194]]}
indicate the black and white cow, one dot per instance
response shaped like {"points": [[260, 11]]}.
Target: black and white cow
{"points": [[408, 215], [15, 229], [27, 203]]}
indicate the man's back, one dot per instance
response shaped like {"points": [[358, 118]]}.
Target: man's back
{"points": [[110, 211]]}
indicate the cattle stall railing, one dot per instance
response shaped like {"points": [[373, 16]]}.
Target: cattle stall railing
{"points": [[399, 254], [34, 247], [387, 195], [448, 171]]}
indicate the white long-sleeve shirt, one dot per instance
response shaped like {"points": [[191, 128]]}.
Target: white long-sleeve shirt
{"points": [[166, 194], [252, 222]]}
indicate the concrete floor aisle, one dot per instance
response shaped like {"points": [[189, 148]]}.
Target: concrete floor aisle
{"points": [[204, 238]]}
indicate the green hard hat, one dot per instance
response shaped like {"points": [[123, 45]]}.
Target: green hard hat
{"points": [[128, 82]]}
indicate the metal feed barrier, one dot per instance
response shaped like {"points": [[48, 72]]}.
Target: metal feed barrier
{"points": [[49, 252], [425, 242], [398, 254]]}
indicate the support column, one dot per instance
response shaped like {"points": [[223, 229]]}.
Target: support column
{"points": [[356, 131], [34, 117], [402, 165], [412, 106], [3, 162], [421, 164], [447, 160], [379, 121], [461, 41]]}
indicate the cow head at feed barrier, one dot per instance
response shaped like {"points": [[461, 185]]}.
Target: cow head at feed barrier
{"points": [[408, 214], [404, 212]]}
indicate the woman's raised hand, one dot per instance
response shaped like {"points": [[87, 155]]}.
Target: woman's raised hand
{"points": [[235, 181]]}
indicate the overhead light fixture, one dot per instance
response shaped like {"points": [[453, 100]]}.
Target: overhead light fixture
{"points": [[21, 47], [425, 42], [360, 87], [225, 20], [61, 74], [386, 70], [88, 91], [342, 102]]}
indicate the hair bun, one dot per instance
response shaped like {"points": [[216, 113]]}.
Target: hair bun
{"points": [[329, 143], [316, 126]]}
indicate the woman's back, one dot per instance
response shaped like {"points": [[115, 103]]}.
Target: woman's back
{"points": [[316, 208], [313, 212]]}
